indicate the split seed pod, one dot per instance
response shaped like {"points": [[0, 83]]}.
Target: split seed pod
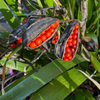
{"points": [[40, 32], [89, 43], [66, 46]]}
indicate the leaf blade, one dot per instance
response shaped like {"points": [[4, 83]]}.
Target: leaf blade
{"points": [[62, 86], [8, 15], [38, 80]]}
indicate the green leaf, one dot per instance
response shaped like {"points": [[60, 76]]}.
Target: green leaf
{"points": [[14, 6], [94, 22], [72, 4], [95, 63], [88, 94], [79, 13], [49, 2], [79, 95], [91, 9], [40, 3], [37, 80], [8, 15], [70, 97], [17, 82], [13, 64], [98, 4], [60, 87], [97, 27], [33, 5]]}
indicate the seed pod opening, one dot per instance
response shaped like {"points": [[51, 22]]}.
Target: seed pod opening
{"points": [[17, 42], [19, 31], [45, 30], [67, 45], [89, 44], [55, 39]]}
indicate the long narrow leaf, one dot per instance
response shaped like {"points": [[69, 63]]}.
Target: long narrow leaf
{"points": [[37, 80], [95, 63], [49, 2], [95, 21], [14, 6], [79, 95], [8, 15], [40, 3], [95, 82], [70, 97], [88, 94], [60, 87]]}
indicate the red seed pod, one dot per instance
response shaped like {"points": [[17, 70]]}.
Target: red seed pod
{"points": [[53, 41], [51, 30], [33, 45], [19, 41], [71, 36], [43, 32], [38, 41], [69, 40], [53, 25], [76, 26], [67, 49], [74, 42], [26, 19], [70, 58], [56, 37], [43, 37], [28, 44], [48, 34], [76, 31], [74, 46], [42, 48], [13, 45], [65, 59], [67, 54], [66, 46], [57, 22], [72, 50], [70, 44], [74, 36]]}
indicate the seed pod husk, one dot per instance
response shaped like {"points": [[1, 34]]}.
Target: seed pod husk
{"points": [[60, 47], [19, 31], [89, 43], [35, 29]]}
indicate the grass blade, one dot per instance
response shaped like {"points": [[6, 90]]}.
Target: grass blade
{"points": [[95, 82], [8, 15], [79, 95], [88, 94], [49, 2], [62, 86], [37, 80], [95, 63]]}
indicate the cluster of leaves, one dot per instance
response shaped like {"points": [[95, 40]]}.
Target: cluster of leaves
{"points": [[56, 79]]}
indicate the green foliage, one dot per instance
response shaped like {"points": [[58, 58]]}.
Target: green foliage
{"points": [[8, 15], [56, 79], [14, 6], [37, 80]]}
